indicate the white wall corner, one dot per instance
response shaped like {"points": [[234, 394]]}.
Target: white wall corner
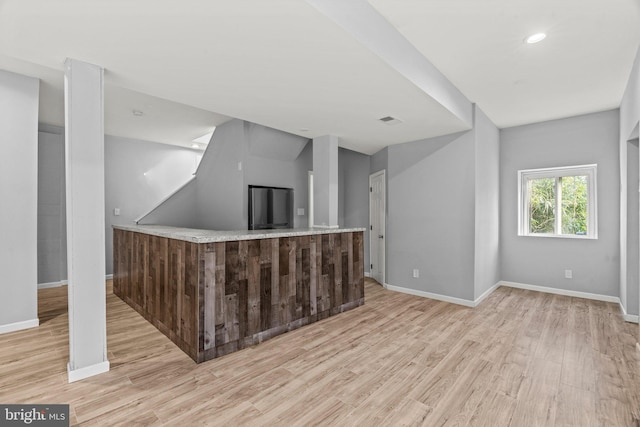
{"points": [[486, 294], [628, 317], [18, 326], [86, 372]]}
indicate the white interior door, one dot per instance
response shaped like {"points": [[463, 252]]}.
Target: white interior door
{"points": [[377, 209]]}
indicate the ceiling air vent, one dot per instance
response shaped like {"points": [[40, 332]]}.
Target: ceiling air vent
{"points": [[390, 120]]}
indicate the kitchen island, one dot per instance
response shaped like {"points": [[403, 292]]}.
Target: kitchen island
{"points": [[216, 292]]}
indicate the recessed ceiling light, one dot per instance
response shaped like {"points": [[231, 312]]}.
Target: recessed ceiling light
{"points": [[194, 145], [535, 38], [204, 139], [137, 113]]}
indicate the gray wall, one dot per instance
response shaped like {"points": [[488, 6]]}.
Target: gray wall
{"points": [[266, 157], [219, 183], [587, 139], [52, 237], [278, 159], [19, 194], [487, 203], [353, 193], [138, 175], [179, 206], [430, 222]]}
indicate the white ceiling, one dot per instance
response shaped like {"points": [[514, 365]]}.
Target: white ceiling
{"points": [[193, 64]]}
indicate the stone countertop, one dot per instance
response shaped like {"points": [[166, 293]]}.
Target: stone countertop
{"points": [[208, 236]]}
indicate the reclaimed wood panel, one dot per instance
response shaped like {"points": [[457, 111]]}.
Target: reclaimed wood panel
{"points": [[159, 278], [215, 298]]}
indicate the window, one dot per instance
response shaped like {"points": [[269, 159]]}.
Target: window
{"points": [[558, 202]]}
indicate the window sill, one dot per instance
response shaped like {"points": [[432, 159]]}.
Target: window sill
{"points": [[559, 236]]}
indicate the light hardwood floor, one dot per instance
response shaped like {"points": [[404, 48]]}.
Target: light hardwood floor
{"points": [[519, 359]]}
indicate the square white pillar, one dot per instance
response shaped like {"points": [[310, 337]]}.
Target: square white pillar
{"points": [[84, 151], [325, 181]]}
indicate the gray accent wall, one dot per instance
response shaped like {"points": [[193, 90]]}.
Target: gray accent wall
{"points": [[353, 193], [179, 206], [219, 182], [443, 212], [284, 160], [52, 230], [587, 139], [138, 175], [239, 154], [19, 98], [430, 221]]}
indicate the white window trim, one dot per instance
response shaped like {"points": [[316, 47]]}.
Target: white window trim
{"points": [[592, 204]]}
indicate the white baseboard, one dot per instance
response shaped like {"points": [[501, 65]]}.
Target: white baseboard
{"points": [[64, 283], [468, 303], [18, 326], [628, 317], [367, 274], [578, 294], [445, 298], [486, 294], [52, 284], [88, 371]]}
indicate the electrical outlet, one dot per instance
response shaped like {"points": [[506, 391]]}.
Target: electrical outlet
{"points": [[416, 273], [116, 211], [300, 211], [568, 274]]}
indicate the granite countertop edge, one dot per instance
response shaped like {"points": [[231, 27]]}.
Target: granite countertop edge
{"points": [[211, 236]]}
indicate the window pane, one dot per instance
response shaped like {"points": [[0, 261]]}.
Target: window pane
{"points": [[542, 203], [574, 204]]}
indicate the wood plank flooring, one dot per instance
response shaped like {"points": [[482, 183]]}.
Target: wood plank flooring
{"points": [[519, 359]]}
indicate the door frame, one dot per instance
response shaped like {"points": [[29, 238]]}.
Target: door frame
{"points": [[383, 220]]}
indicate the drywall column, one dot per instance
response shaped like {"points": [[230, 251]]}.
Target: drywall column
{"points": [[325, 181], [19, 195], [84, 149]]}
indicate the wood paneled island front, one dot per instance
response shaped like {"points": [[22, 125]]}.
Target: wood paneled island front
{"points": [[215, 292]]}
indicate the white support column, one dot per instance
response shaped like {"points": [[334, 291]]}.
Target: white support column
{"points": [[325, 181], [84, 149]]}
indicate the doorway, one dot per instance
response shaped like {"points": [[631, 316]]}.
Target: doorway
{"points": [[377, 222]]}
